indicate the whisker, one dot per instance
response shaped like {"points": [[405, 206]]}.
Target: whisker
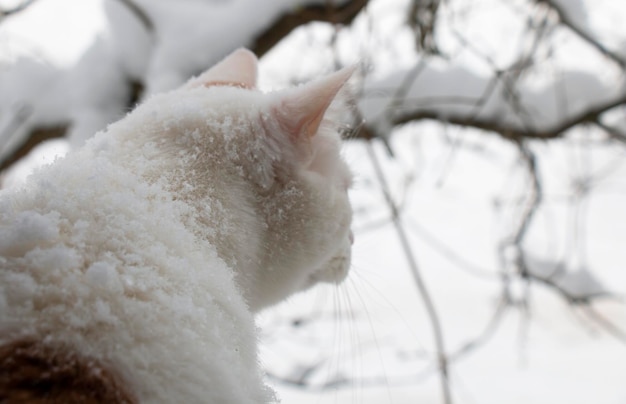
{"points": [[374, 336]]}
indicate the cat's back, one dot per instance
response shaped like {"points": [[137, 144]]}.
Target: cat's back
{"points": [[98, 270]]}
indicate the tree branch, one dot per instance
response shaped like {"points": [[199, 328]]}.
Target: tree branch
{"points": [[442, 358], [330, 13], [505, 130]]}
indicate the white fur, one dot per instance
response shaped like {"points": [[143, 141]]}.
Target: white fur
{"points": [[151, 247]]}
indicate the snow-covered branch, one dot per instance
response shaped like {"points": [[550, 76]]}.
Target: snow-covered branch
{"points": [[153, 47], [461, 97]]}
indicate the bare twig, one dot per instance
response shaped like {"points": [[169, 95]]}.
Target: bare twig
{"points": [[335, 14], [615, 133], [486, 335], [508, 131], [403, 89], [140, 14], [568, 22], [442, 358], [422, 17], [611, 328], [343, 381], [15, 121], [567, 295], [12, 11], [535, 194], [446, 251], [534, 201]]}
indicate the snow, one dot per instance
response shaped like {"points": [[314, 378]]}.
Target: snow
{"points": [[42, 155], [100, 274], [28, 230], [187, 30]]}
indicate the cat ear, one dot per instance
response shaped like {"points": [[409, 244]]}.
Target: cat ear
{"points": [[239, 69], [300, 111]]}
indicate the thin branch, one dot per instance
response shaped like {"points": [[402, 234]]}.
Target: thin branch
{"points": [[611, 328], [421, 19], [527, 56], [343, 381], [536, 197], [486, 335], [20, 7], [567, 295], [140, 14], [399, 97], [507, 131], [335, 14], [536, 194], [442, 358], [615, 133], [449, 253], [403, 89], [16, 120], [568, 22]]}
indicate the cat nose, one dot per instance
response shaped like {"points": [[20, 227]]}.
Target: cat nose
{"points": [[351, 237]]}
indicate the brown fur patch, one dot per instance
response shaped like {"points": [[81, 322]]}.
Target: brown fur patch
{"points": [[31, 372]]}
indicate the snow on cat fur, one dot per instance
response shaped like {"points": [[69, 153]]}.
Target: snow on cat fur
{"points": [[150, 248]]}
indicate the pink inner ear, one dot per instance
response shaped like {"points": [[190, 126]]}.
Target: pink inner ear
{"points": [[239, 69], [300, 111]]}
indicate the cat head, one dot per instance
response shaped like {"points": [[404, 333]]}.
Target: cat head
{"points": [[285, 145]]}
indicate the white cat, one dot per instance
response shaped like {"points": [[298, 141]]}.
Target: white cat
{"points": [[131, 269]]}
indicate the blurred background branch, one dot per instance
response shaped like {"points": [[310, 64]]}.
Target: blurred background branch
{"points": [[9, 11]]}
